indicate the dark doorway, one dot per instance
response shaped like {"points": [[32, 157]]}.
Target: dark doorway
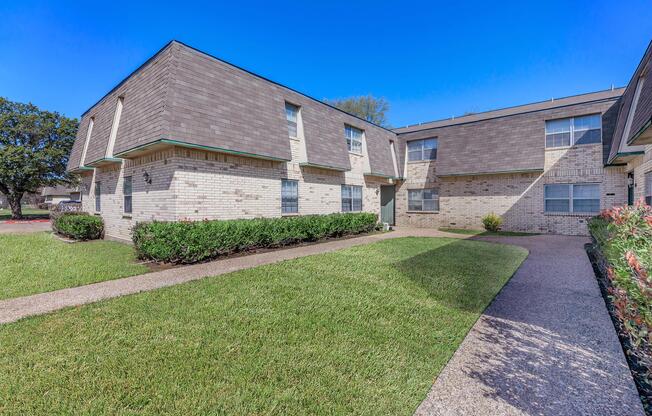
{"points": [[387, 204], [630, 188]]}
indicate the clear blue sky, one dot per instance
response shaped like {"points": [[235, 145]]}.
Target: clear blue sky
{"points": [[429, 60]]}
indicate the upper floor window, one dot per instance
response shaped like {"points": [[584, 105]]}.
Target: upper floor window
{"points": [[568, 197], [292, 116], [126, 192], [424, 149], [353, 139], [351, 198], [574, 130], [289, 196]]}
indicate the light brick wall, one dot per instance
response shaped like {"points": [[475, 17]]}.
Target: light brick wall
{"points": [[639, 167], [196, 185], [517, 197]]}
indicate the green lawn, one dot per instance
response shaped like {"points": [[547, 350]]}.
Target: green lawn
{"points": [[5, 214], [360, 331], [35, 263], [486, 233]]}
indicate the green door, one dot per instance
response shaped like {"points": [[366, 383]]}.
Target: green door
{"points": [[387, 204]]}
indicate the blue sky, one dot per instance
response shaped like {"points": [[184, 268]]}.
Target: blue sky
{"points": [[430, 60]]}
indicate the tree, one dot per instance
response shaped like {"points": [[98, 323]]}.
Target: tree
{"points": [[34, 149], [367, 107]]}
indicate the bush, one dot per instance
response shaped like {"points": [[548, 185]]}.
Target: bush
{"points": [[492, 222], [192, 242], [623, 236], [78, 225]]}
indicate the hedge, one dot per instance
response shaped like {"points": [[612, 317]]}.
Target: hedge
{"points": [[78, 225], [623, 238], [192, 242]]}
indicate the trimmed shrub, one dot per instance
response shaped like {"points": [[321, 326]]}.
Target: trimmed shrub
{"points": [[192, 242], [492, 222], [78, 225]]}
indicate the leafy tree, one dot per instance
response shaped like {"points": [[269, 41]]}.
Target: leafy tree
{"points": [[34, 149], [367, 107]]}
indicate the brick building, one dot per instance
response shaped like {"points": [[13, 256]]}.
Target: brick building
{"points": [[189, 136]]}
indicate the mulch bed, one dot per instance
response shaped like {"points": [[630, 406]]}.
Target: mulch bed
{"points": [[599, 264]]}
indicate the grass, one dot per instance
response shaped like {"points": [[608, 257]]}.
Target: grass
{"points": [[358, 331], [486, 233], [28, 213], [35, 263]]}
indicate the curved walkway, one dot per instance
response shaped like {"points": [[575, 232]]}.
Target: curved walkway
{"points": [[545, 346]]}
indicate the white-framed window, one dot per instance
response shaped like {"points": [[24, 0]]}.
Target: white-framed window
{"points": [[98, 196], [353, 139], [574, 130], [126, 191], [292, 116], [424, 149], [426, 200], [572, 197], [648, 188], [351, 198], [289, 196]]}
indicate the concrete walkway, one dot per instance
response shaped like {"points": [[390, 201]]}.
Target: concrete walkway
{"points": [[545, 346], [24, 227], [14, 309]]}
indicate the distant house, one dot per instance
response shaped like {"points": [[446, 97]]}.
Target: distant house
{"points": [[55, 194]]}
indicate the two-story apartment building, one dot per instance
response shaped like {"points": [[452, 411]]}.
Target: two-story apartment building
{"points": [[189, 136]]}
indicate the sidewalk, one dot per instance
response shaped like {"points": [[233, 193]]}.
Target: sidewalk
{"points": [[14, 309], [545, 346]]}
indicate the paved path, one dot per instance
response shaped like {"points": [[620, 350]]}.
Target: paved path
{"points": [[14, 309], [545, 346], [24, 227]]}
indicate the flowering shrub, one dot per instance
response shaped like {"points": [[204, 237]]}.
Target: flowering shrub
{"points": [[624, 236]]}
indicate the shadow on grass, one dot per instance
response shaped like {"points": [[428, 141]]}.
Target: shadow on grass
{"points": [[462, 274]]}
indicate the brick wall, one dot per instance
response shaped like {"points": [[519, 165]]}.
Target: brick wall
{"points": [[517, 197], [195, 185]]}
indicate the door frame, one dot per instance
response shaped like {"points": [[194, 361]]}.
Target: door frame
{"points": [[393, 187]]}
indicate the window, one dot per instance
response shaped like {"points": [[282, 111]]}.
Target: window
{"points": [[126, 191], [574, 130], [289, 196], [426, 200], [648, 188], [98, 192], [353, 139], [566, 197], [292, 115], [425, 149], [351, 198]]}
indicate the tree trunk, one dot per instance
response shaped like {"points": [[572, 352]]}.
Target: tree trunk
{"points": [[16, 208]]}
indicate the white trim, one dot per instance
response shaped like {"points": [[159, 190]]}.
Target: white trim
{"points": [[114, 127], [570, 198], [91, 123], [632, 107]]}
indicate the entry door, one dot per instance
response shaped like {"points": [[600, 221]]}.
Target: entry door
{"points": [[387, 204]]}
